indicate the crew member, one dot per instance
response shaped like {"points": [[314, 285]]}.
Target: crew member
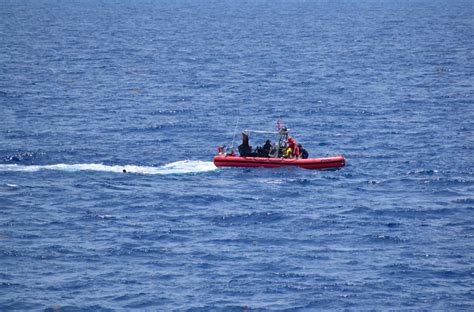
{"points": [[303, 152], [267, 148], [295, 152], [245, 149]]}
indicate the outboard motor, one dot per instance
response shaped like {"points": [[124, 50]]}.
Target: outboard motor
{"points": [[225, 150], [220, 149]]}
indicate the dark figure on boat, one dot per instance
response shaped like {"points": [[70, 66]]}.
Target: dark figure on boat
{"points": [[264, 151], [245, 149], [303, 152], [267, 148]]}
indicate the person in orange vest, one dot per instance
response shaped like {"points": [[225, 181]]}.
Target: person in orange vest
{"points": [[295, 152]]}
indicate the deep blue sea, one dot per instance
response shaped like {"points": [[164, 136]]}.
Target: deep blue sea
{"points": [[89, 88]]}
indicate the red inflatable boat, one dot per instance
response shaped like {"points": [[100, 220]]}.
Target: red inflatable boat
{"points": [[310, 163], [273, 155]]}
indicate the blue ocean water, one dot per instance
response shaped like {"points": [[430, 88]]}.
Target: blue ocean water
{"points": [[89, 88]]}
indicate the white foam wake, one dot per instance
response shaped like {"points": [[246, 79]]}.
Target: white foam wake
{"points": [[178, 167]]}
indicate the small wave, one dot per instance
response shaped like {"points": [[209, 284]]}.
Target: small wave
{"points": [[423, 172], [248, 218], [178, 167], [21, 157]]}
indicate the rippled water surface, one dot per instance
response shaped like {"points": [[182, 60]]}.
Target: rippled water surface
{"points": [[89, 88]]}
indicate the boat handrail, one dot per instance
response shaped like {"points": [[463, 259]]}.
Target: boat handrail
{"points": [[260, 131]]}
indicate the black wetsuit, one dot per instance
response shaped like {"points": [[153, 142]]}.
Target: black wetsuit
{"points": [[267, 148], [245, 150], [304, 153]]}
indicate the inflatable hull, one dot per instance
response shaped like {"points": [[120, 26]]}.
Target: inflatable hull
{"points": [[310, 163]]}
